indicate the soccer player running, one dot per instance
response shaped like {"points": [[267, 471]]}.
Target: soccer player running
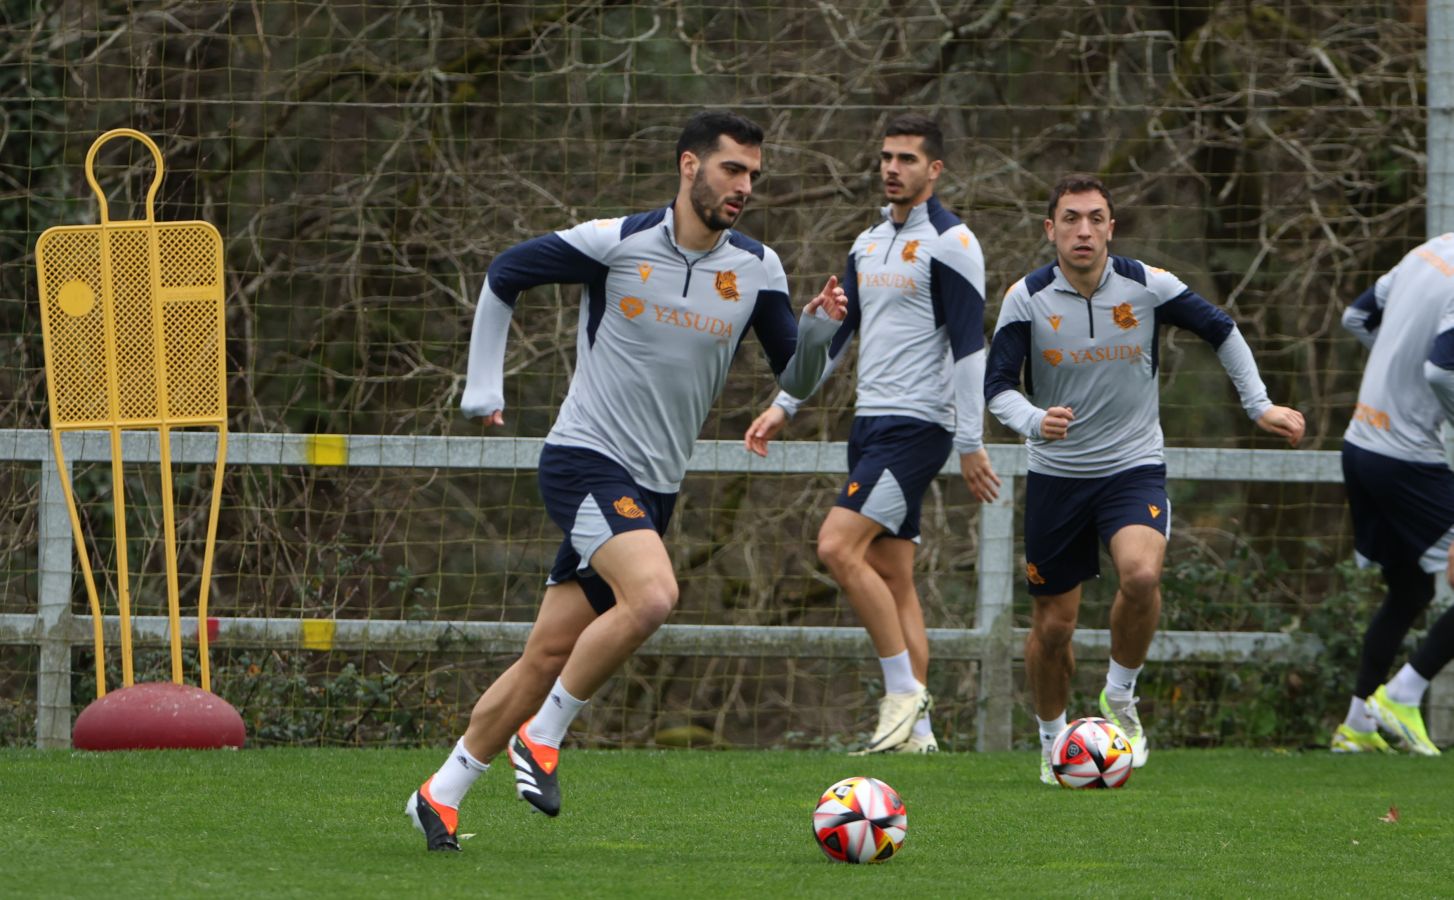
{"points": [[915, 288], [1084, 330], [668, 297], [1400, 489]]}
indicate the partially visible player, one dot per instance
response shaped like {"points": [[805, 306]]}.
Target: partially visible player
{"points": [[1084, 330], [1400, 489], [668, 297], [915, 286]]}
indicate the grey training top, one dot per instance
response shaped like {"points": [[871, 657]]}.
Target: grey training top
{"points": [[657, 334], [1099, 356], [1407, 318], [916, 298]]}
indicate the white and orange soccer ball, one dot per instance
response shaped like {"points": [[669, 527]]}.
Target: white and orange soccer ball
{"points": [[1091, 753], [860, 820]]}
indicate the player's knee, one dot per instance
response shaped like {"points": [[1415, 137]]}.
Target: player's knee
{"points": [[835, 551], [1140, 583], [1053, 633], [652, 602]]}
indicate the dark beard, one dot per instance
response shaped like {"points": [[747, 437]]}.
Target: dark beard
{"points": [[701, 196]]}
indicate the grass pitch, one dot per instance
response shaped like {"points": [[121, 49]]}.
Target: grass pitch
{"points": [[310, 823]]}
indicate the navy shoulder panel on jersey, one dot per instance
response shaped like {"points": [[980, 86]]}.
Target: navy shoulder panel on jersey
{"points": [[1368, 302], [547, 259], [1008, 353], [1129, 268], [1442, 353], [777, 330], [743, 242], [1040, 279], [642, 221], [851, 321], [958, 307], [1191, 311], [941, 218]]}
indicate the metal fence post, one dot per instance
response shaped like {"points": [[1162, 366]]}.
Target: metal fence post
{"points": [[995, 615], [53, 613]]}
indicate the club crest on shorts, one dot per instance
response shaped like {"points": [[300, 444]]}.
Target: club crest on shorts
{"points": [[626, 508], [726, 285], [1032, 574]]}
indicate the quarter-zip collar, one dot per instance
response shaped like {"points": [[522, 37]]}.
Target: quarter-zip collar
{"points": [[1063, 285], [918, 215], [668, 227]]}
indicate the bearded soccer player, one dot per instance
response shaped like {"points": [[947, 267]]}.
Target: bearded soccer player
{"points": [[1085, 331], [1400, 489], [915, 288], [668, 297]]}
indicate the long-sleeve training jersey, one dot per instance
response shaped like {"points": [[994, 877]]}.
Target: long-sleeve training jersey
{"points": [[658, 331], [916, 298], [1099, 356], [1407, 319]]}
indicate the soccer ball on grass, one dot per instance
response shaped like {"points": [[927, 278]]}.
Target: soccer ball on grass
{"points": [[860, 820], [1091, 753]]}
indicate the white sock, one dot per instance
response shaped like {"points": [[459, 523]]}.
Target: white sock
{"points": [[454, 778], [1359, 718], [898, 674], [1121, 681], [922, 728], [1407, 687], [556, 713], [1050, 730]]}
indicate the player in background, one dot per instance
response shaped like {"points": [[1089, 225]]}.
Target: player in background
{"points": [[668, 297], [1400, 489], [915, 287], [1084, 329]]}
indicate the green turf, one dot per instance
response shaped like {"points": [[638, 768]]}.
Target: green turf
{"points": [[720, 824]]}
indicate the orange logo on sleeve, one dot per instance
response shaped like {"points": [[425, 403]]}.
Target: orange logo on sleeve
{"points": [[1032, 574], [726, 285], [1124, 317], [852, 488], [964, 239], [911, 251], [626, 507], [632, 307], [645, 270], [1052, 356], [1154, 509], [1055, 323]]}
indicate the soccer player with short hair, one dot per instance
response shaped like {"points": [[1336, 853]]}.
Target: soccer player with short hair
{"points": [[1084, 329], [915, 287], [1400, 489], [668, 297]]}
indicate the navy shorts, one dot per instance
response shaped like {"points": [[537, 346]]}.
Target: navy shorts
{"points": [[1402, 511], [891, 461], [1066, 519], [592, 497]]}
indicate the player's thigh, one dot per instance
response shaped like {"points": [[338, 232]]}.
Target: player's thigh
{"points": [[1133, 518], [1138, 551], [564, 614], [892, 461], [636, 566], [846, 533]]}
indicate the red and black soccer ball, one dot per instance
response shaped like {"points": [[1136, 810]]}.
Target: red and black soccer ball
{"points": [[860, 820], [1091, 753]]}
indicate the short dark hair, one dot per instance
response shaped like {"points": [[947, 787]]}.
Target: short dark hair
{"points": [[1079, 183], [700, 134], [919, 125]]}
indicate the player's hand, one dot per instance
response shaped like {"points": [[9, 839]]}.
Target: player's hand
{"points": [[764, 428], [495, 418], [831, 300], [1056, 424], [1284, 421], [983, 483]]}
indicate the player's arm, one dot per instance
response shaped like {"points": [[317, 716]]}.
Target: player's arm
{"points": [[1439, 367], [1008, 355], [797, 350], [1366, 313], [956, 289], [773, 419], [564, 257], [1187, 309]]}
